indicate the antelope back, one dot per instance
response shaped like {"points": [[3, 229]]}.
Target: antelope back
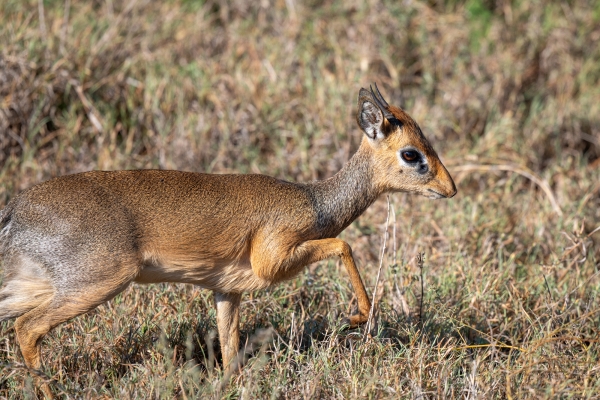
{"points": [[404, 160]]}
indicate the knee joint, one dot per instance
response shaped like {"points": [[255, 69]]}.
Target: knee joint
{"points": [[345, 249]]}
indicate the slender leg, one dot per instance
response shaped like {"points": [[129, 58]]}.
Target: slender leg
{"points": [[228, 318], [30, 336], [34, 325], [31, 327], [364, 305], [312, 251]]}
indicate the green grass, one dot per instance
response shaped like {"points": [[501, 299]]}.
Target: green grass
{"points": [[510, 306]]}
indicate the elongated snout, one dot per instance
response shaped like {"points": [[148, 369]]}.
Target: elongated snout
{"points": [[443, 184]]}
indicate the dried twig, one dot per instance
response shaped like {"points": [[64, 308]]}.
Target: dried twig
{"points": [[65, 28], [383, 248], [43, 30], [90, 110], [420, 261], [517, 170]]}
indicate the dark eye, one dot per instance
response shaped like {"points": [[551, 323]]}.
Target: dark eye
{"points": [[410, 156]]}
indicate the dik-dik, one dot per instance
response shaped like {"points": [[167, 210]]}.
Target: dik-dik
{"points": [[74, 242]]}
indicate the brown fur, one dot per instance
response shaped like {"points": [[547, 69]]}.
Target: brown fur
{"points": [[76, 241]]}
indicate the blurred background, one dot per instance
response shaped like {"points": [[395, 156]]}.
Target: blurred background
{"points": [[508, 92]]}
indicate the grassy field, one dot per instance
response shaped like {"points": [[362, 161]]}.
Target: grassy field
{"points": [[504, 302]]}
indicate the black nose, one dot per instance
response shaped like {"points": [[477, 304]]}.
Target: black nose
{"points": [[454, 190]]}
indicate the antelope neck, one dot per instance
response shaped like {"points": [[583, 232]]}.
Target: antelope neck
{"points": [[340, 199]]}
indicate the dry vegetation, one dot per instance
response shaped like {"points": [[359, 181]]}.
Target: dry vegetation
{"points": [[507, 301]]}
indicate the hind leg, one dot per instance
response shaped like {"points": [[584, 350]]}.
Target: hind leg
{"points": [[30, 335], [34, 325]]}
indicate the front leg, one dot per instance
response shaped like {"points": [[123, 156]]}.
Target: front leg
{"points": [[307, 253], [228, 319]]}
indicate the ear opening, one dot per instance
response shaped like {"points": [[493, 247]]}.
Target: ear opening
{"points": [[370, 118]]}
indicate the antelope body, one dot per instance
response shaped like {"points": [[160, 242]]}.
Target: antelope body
{"points": [[74, 242]]}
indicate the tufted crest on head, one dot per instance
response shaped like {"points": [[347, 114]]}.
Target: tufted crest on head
{"points": [[377, 118]]}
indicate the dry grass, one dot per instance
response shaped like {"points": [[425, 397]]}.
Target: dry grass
{"points": [[506, 303]]}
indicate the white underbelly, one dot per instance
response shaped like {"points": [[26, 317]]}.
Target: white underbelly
{"points": [[234, 277]]}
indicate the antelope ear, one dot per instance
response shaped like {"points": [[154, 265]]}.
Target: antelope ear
{"points": [[369, 116]]}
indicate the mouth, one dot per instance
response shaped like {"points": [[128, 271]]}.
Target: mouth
{"points": [[435, 195]]}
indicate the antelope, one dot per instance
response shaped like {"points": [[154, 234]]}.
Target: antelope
{"points": [[74, 242]]}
